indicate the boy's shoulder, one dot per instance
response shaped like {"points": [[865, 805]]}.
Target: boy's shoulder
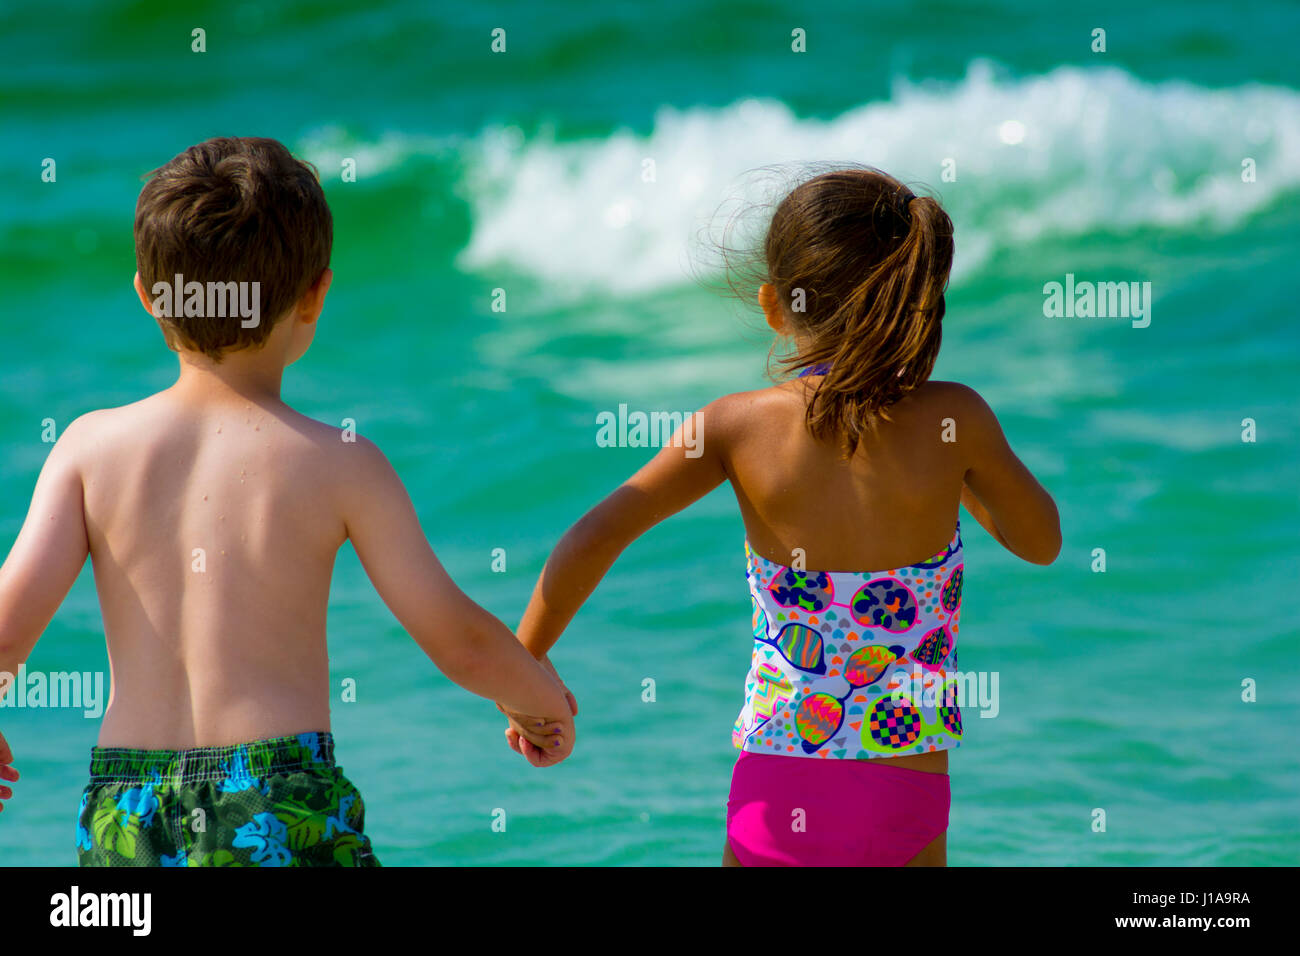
{"points": [[151, 420], [103, 426], [318, 434], [349, 457]]}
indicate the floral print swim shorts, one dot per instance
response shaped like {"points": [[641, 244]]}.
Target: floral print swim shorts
{"points": [[276, 802]]}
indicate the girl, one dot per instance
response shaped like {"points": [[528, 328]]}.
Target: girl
{"points": [[858, 461]]}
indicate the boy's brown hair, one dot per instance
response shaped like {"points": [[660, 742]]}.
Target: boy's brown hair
{"points": [[233, 209]]}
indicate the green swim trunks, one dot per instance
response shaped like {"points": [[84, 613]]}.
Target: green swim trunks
{"points": [[277, 802]]}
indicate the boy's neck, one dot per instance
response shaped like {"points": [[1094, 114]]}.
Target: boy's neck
{"points": [[252, 376]]}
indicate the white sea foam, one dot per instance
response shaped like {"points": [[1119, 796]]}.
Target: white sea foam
{"points": [[329, 146], [1063, 154]]}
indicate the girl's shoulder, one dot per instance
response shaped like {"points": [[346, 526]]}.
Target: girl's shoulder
{"points": [[741, 416], [945, 399], [938, 390], [740, 409], [785, 397]]}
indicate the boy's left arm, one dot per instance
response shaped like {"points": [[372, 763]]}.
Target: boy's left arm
{"points": [[43, 564]]}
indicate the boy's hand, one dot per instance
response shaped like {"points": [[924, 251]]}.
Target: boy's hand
{"points": [[568, 694], [6, 771], [542, 743]]}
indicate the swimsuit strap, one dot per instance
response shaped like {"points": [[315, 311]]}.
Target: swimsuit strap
{"points": [[821, 368]]}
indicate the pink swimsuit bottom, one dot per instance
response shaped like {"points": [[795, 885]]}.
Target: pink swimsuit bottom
{"points": [[791, 811]]}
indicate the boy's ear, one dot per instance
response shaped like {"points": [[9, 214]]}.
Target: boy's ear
{"points": [[145, 300], [770, 303], [313, 300]]}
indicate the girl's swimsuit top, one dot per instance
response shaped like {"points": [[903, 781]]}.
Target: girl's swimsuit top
{"points": [[851, 664]]}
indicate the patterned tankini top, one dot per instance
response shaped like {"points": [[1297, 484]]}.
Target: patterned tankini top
{"points": [[850, 664]]}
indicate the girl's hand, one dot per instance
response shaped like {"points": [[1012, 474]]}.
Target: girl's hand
{"points": [[541, 732], [6, 771], [553, 747]]}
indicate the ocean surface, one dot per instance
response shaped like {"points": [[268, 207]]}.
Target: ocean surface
{"points": [[524, 171]]}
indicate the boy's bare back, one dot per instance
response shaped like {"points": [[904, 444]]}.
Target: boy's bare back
{"points": [[212, 524], [212, 519], [212, 512]]}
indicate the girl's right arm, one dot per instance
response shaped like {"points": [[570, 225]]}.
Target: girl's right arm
{"points": [[680, 474], [676, 477], [1000, 492]]}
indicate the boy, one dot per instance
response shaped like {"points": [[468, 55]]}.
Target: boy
{"points": [[212, 513]]}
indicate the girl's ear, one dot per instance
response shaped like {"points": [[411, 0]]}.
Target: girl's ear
{"points": [[770, 303]]}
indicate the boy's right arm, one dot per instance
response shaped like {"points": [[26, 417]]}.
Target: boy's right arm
{"points": [[42, 566], [1008, 500], [468, 644]]}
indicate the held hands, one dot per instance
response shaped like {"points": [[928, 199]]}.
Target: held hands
{"points": [[542, 742]]}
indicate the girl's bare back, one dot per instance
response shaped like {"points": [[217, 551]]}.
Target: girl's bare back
{"points": [[893, 502]]}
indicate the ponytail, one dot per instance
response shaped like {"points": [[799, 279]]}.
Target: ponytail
{"points": [[872, 260]]}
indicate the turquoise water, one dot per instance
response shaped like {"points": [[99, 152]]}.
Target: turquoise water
{"points": [[523, 171]]}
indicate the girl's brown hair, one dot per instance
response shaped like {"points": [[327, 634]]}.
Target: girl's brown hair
{"points": [[860, 265]]}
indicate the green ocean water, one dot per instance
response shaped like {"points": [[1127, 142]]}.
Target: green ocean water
{"points": [[523, 171]]}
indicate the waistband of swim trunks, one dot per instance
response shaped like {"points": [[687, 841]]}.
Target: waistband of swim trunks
{"points": [[258, 758]]}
